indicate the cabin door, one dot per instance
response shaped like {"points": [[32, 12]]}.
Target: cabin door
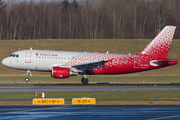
{"points": [[28, 57]]}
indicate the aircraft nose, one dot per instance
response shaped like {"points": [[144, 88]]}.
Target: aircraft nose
{"points": [[5, 62]]}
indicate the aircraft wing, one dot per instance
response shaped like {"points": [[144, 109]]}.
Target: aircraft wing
{"points": [[90, 66]]}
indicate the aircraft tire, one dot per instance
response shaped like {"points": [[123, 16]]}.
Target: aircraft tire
{"points": [[27, 79], [84, 80]]}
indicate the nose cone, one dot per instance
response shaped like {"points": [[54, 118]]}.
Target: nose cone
{"points": [[5, 62]]}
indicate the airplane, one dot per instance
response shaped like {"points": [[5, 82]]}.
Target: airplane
{"points": [[63, 64]]}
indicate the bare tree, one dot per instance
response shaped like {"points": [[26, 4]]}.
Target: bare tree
{"points": [[2, 15], [87, 19], [159, 11]]}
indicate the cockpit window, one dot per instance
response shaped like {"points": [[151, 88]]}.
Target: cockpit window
{"points": [[14, 55]]}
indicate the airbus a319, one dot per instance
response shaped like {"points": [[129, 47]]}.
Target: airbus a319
{"points": [[63, 64]]}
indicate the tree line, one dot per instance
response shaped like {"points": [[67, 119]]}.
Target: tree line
{"points": [[87, 19]]}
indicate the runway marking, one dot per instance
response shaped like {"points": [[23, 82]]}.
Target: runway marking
{"points": [[164, 117]]}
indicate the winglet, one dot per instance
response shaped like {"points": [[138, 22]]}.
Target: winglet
{"points": [[160, 45]]}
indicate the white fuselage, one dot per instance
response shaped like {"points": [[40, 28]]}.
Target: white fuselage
{"points": [[44, 60], [38, 60]]}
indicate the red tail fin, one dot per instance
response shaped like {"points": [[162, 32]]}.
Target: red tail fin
{"points": [[160, 45]]}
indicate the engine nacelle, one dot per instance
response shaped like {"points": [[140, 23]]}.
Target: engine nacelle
{"points": [[60, 72]]}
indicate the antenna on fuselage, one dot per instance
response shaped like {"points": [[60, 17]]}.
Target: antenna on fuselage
{"points": [[31, 48]]}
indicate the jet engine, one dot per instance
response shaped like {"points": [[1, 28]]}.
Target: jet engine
{"points": [[61, 72]]}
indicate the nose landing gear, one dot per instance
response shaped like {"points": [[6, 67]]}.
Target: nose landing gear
{"points": [[27, 78]]}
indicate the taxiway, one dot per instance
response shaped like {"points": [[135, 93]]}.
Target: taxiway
{"points": [[13, 90]]}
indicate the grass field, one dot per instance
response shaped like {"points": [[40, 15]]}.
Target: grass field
{"points": [[106, 78], [103, 98], [109, 95]]}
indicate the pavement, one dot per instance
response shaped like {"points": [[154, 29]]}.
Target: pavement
{"points": [[14, 90], [96, 112]]}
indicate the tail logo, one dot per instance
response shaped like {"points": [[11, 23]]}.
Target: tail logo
{"points": [[160, 45]]}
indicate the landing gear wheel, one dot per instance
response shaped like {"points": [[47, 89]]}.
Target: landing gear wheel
{"points": [[84, 80], [27, 79]]}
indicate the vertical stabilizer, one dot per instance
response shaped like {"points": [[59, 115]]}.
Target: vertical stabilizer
{"points": [[160, 45]]}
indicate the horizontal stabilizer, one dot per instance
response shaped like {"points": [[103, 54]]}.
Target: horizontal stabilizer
{"points": [[155, 63]]}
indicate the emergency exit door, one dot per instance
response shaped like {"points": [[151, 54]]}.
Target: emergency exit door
{"points": [[136, 63]]}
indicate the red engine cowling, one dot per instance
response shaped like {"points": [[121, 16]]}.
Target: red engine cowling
{"points": [[60, 72]]}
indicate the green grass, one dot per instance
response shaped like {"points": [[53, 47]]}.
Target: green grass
{"points": [[172, 79], [108, 95]]}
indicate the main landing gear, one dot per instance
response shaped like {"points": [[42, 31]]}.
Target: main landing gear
{"points": [[27, 78], [84, 80]]}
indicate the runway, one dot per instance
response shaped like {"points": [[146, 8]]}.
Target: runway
{"points": [[12, 90], [123, 112], [92, 84], [16, 90]]}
